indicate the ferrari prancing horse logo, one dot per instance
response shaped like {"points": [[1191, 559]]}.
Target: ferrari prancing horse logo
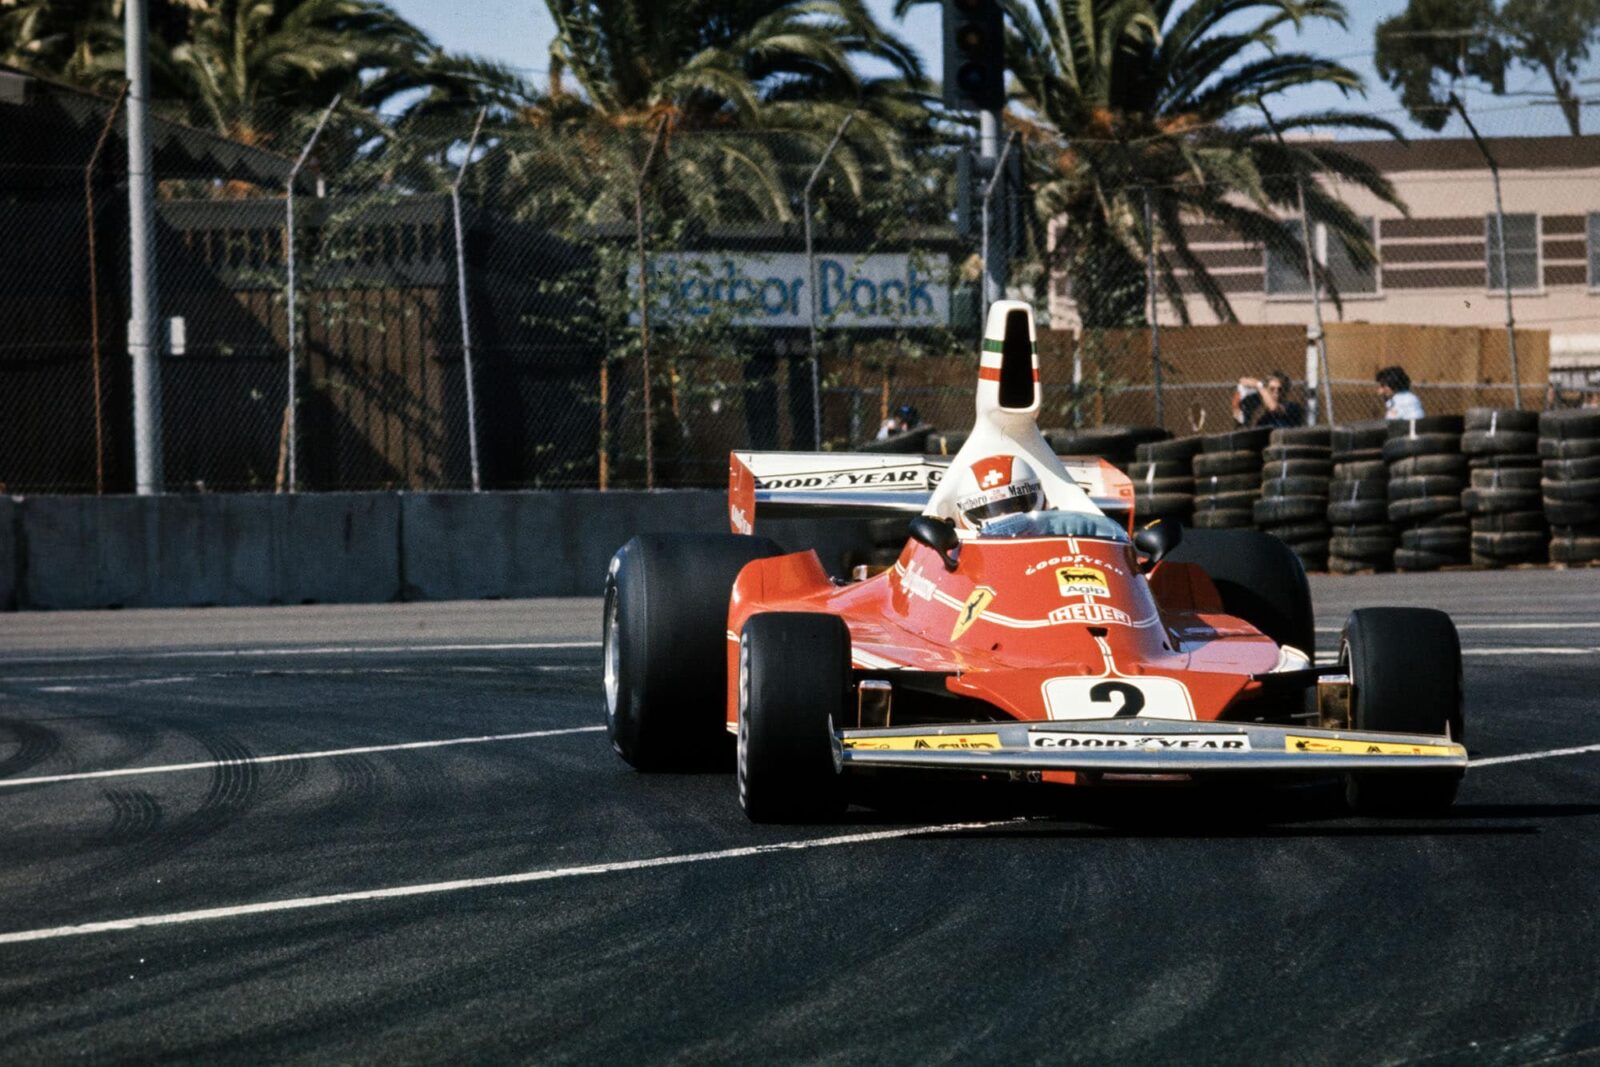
{"points": [[980, 599]]}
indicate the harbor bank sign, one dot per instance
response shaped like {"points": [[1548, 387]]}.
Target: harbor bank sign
{"points": [[876, 291]]}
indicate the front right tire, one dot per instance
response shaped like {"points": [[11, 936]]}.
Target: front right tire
{"points": [[1405, 676]]}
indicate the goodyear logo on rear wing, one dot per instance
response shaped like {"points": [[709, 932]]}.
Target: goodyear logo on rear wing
{"points": [[931, 741], [1340, 747], [915, 477], [1085, 742]]}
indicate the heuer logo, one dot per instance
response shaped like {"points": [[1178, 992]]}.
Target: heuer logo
{"points": [[1090, 612], [1082, 581]]}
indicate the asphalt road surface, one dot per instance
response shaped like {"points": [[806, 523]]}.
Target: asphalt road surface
{"points": [[397, 833]]}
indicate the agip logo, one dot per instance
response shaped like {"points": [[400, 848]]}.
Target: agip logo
{"points": [[1082, 581]]}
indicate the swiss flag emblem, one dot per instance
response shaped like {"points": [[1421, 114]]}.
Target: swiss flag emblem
{"points": [[992, 472]]}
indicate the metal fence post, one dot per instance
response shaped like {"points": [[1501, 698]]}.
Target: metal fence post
{"points": [[1325, 386], [293, 326], [461, 300], [988, 194], [143, 305], [1500, 234], [1155, 304], [644, 304], [811, 272]]}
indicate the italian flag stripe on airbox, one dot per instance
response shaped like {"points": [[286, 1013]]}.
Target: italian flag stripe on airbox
{"points": [[990, 345]]}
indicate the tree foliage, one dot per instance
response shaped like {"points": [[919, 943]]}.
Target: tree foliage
{"points": [[1435, 46]]}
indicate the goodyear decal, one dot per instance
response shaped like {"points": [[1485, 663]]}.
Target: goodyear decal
{"points": [[931, 741], [980, 599], [1326, 745], [1082, 581]]}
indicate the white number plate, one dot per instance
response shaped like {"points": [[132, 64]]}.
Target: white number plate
{"points": [[1117, 698]]}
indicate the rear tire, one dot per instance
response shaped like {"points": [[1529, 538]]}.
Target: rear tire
{"points": [[665, 646], [794, 685], [1405, 675], [1259, 578]]}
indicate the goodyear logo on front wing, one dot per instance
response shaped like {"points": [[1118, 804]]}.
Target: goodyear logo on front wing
{"points": [[1327, 745], [1081, 581], [932, 741]]}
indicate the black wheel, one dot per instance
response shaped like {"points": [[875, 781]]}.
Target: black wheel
{"points": [[1259, 578], [665, 646], [1405, 676], [794, 686]]}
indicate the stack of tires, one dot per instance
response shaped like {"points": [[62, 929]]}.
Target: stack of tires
{"points": [[1163, 480], [1569, 444], [1502, 497], [1227, 479], [1358, 500], [1427, 475], [1295, 471]]}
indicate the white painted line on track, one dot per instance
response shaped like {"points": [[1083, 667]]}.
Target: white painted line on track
{"points": [[1533, 650], [295, 650], [93, 682], [1500, 626], [522, 878], [1523, 757], [125, 772]]}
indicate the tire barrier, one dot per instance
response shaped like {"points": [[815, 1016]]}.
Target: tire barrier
{"points": [[1569, 484], [1427, 507], [1115, 444], [1502, 498], [1163, 480], [1296, 469], [1360, 536], [1227, 478]]}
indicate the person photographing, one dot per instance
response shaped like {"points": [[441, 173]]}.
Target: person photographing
{"points": [[1265, 402]]}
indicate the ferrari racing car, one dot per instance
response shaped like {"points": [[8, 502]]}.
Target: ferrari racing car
{"points": [[1029, 630]]}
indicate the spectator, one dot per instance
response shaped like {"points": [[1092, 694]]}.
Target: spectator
{"points": [[904, 419], [1394, 388], [1266, 403]]}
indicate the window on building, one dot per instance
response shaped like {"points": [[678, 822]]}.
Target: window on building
{"points": [[1522, 251], [1286, 274], [1594, 251]]}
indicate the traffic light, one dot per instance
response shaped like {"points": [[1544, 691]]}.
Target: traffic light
{"points": [[974, 55]]}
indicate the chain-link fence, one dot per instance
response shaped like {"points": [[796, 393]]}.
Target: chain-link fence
{"points": [[619, 307]]}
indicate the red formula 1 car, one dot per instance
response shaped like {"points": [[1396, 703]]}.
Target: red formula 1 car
{"points": [[1028, 631]]}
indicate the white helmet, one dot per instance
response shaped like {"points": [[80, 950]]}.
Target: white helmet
{"points": [[996, 486]]}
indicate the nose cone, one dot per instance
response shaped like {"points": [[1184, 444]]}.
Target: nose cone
{"points": [[1008, 369]]}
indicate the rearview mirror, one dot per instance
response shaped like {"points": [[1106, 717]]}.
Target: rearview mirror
{"points": [[939, 536], [1155, 541]]}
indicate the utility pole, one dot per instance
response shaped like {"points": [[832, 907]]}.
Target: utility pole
{"points": [[1500, 232], [142, 303], [1325, 386], [974, 80]]}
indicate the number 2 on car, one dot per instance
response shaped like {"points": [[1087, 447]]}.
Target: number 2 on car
{"points": [[1117, 698]]}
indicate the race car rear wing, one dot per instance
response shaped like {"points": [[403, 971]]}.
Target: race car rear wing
{"points": [[871, 485]]}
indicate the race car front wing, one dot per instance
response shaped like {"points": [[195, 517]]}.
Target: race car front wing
{"points": [[1143, 746]]}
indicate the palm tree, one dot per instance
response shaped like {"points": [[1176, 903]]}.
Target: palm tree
{"points": [[1127, 99]]}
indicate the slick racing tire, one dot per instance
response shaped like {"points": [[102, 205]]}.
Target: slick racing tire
{"points": [[1259, 578], [794, 686], [1405, 677], [665, 646]]}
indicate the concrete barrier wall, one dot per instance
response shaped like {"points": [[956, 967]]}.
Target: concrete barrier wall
{"points": [[166, 551]]}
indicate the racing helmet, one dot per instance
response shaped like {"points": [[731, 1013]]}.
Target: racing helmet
{"points": [[996, 486]]}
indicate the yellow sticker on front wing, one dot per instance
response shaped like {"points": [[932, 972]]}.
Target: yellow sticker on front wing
{"points": [[1348, 747], [928, 741]]}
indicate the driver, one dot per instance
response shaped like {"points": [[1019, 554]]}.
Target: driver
{"points": [[996, 486]]}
